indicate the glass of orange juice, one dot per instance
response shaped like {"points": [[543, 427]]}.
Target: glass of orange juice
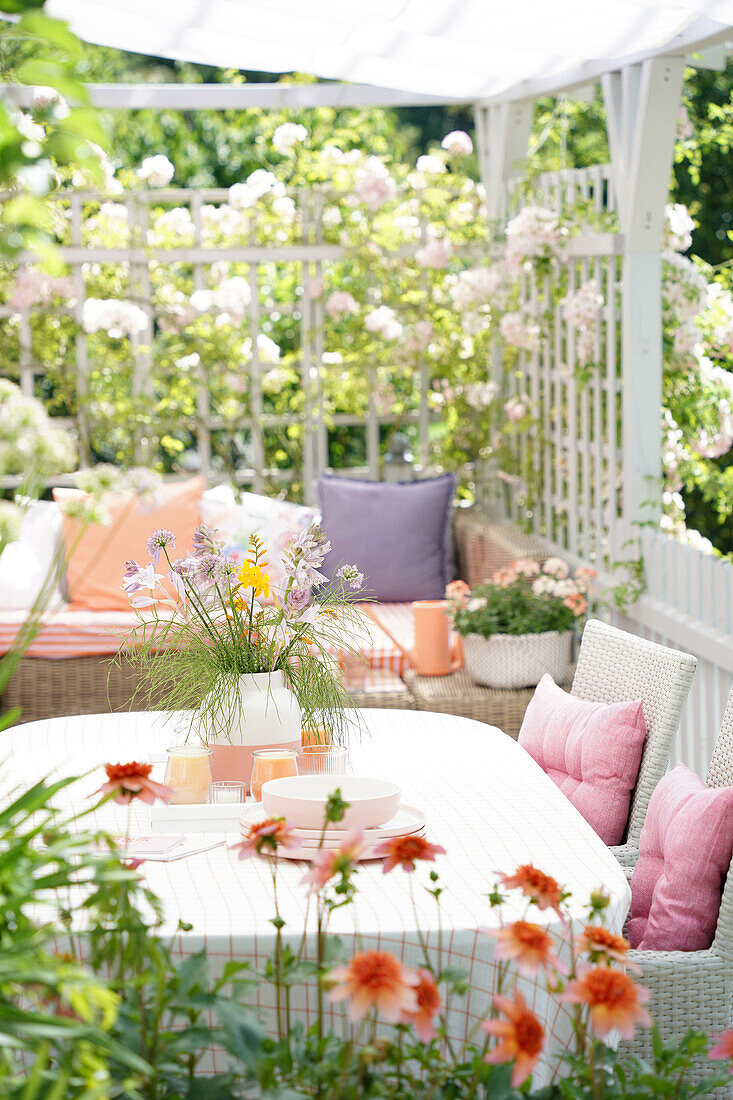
{"points": [[188, 773], [271, 764]]}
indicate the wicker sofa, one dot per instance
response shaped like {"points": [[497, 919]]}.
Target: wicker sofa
{"points": [[47, 688]]}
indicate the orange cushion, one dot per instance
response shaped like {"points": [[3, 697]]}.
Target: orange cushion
{"points": [[96, 566]]}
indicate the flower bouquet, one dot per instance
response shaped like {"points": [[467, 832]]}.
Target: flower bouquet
{"points": [[520, 626], [257, 663]]}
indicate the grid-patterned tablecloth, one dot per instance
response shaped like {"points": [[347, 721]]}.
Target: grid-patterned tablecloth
{"points": [[485, 800]]}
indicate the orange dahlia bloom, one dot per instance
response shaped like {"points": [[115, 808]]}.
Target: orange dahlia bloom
{"points": [[528, 945], [376, 979], [521, 1036], [429, 1003], [602, 945], [543, 890], [405, 850], [264, 836], [328, 862], [615, 1001], [723, 1049], [130, 781]]}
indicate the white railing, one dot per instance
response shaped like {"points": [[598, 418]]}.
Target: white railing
{"points": [[688, 604]]}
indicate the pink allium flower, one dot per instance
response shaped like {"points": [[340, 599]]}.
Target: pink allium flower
{"points": [[376, 979], [267, 836], [404, 850], [158, 541], [429, 1004], [130, 781], [457, 143], [328, 862], [341, 302]]}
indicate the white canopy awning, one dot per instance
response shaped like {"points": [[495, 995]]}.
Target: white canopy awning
{"points": [[464, 49]]}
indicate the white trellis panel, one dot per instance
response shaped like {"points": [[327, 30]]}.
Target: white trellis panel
{"points": [[308, 256]]}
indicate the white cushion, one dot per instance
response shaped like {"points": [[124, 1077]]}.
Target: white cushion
{"points": [[275, 521], [25, 564]]}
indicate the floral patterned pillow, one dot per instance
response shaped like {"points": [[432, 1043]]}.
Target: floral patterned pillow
{"points": [[275, 521]]}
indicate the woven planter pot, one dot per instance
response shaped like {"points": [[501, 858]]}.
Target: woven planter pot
{"points": [[517, 660]]}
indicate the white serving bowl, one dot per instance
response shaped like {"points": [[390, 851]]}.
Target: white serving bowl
{"points": [[301, 800]]}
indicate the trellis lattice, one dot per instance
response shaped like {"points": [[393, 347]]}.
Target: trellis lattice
{"points": [[229, 419]]}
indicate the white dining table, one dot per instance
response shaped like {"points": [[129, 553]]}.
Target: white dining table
{"points": [[485, 801]]}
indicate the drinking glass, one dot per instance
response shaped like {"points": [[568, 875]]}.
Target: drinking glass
{"points": [[188, 773], [271, 764], [224, 790], [321, 760]]}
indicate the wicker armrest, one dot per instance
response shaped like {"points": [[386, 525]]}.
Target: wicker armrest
{"points": [[627, 855], [485, 544]]}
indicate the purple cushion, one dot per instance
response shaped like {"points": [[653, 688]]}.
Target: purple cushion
{"points": [[685, 850], [397, 534], [591, 751]]}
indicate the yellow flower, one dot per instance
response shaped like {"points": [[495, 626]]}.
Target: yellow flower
{"points": [[252, 576]]}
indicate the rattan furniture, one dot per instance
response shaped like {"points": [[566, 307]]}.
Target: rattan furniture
{"points": [[615, 667], [458, 694], [694, 989], [43, 688]]}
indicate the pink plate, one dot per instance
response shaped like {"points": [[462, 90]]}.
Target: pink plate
{"points": [[407, 820], [307, 853]]}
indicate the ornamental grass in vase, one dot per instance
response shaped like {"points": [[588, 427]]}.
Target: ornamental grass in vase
{"points": [[521, 625], [258, 663]]}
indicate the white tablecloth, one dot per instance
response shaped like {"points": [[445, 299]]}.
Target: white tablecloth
{"points": [[485, 800]]}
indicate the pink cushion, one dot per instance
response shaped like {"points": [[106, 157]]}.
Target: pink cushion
{"points": [[592, 751], [685, 850]]}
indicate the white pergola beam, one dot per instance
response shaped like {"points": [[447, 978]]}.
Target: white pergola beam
{"points": [[204, 97]]}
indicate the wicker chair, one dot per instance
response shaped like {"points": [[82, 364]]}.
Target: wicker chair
{"points": [[614, 667], [695, 988]]}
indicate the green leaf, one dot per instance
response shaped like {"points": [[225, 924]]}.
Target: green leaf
{"points": [[53, 74], [56, 32]]}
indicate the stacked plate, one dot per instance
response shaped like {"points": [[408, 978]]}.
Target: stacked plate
{"points": [[408, 821]]}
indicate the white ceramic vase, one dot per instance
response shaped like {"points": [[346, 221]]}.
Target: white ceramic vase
{"points": [[259, 712], [517, 660]]}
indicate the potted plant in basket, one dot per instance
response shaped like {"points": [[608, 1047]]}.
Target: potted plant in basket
{"points": [[520, 626], [258, 663]]}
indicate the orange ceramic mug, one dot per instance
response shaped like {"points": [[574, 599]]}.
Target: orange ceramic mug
{"points": [[434, 654]]}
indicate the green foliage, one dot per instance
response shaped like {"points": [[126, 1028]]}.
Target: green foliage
{"points": [[38, 50], [95, 1005]]}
